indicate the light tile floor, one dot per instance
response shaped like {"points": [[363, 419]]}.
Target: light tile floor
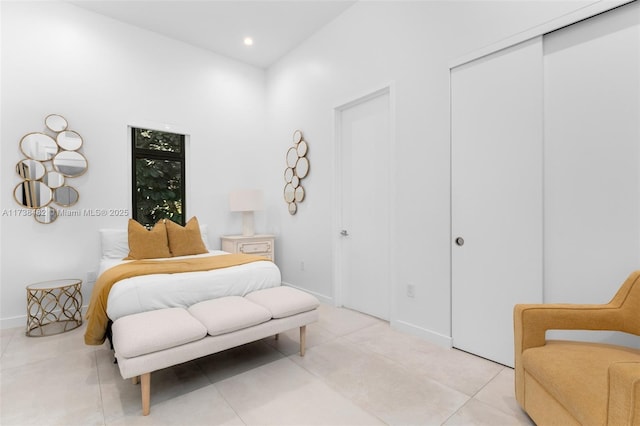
{"points": [[357, 371]]}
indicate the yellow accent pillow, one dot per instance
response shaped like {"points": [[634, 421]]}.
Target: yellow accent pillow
{"points": [[145, 244], [185, 240]]}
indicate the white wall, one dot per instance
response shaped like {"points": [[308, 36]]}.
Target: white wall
{"points": [[103, 75], [370, 45]]}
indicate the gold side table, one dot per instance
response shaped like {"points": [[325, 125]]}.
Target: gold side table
{"points": [[54, 307]]}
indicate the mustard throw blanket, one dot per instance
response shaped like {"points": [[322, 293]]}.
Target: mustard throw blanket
{"points": [[97, 311]]}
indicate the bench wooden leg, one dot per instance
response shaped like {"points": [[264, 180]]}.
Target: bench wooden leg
{"points": [[135, 380], [145, 388], [277, 336], [303, 339]]}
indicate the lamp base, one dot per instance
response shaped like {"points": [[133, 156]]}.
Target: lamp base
{"points": [[247, 224]]}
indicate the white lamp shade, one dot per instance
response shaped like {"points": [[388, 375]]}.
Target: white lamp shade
{"points": [[246, 200]]}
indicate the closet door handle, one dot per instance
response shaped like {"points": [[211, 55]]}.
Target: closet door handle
{"points": [[344, 233], [460, 241]]}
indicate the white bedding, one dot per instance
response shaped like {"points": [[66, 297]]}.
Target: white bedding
{"points": [[149, 292]]}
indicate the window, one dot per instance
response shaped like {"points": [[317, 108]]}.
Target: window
{"points": [[158, 176]]}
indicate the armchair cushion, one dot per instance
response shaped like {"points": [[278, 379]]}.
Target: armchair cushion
{"points": [[577, 374]]}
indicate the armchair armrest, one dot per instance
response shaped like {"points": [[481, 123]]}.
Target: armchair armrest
{"points": [[620, 314], [624, 397], [532, 321]]}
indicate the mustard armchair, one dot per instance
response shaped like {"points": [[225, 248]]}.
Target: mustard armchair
{"points": [[579, 383]]}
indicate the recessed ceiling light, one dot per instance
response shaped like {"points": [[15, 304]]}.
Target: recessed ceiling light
{"points": [[248, 41]]}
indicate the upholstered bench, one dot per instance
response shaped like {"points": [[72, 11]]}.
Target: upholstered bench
{"points": [[154, 340]]}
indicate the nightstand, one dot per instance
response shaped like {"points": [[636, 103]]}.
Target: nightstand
{"points": [[261, 245], [54, 307]]}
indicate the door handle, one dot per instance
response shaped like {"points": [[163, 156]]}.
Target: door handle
{"points": [[344, 233], [460, 241]]}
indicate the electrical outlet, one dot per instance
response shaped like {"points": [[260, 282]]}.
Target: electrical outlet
{"points": [[92, 276], [411, 290]]}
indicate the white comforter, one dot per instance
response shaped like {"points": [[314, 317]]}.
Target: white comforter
{"points": [[149, 292]]}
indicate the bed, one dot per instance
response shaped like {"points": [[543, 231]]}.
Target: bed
{"points": [[148, 291], [158, 291]]}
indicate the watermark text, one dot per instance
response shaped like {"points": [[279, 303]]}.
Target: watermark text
{"points": [[23, 212]]}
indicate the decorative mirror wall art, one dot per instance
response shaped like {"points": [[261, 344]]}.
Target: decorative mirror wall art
{"points": [[56, 123], [38, 146], [52, 160], [30, 169], [296, 170]]}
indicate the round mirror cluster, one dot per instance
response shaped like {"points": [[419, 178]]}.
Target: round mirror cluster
{"points": [[51, 161], [297, 169]]}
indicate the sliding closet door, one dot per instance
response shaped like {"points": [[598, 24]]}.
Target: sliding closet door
{"points": [[496, 196], [592, 156]]}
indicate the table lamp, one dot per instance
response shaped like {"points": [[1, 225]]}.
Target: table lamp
{"points": [[246, 201]]}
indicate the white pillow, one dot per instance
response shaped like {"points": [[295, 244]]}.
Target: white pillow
{"points": [[115, 242], [205, 236]]}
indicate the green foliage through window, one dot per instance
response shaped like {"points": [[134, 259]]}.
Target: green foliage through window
{"points": [[158, 176]]}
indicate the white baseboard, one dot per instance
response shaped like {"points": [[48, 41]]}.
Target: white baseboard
{"points": [[323, 299], [428, 335], [13, 322]]}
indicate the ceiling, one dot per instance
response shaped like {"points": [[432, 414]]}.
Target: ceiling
{"points": [[221, 25]]}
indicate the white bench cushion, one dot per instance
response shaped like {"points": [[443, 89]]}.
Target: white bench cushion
{"points": [[146, 332], [284, 301], [228, 314]]}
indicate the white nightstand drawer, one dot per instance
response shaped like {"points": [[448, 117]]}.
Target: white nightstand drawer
{"points": [[258, 247]]}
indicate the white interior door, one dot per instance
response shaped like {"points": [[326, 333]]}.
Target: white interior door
{"points": [[363, 146], [496, 196], [592, 153]]}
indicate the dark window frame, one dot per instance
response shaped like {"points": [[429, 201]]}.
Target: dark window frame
{"points": [[153, 154]]}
